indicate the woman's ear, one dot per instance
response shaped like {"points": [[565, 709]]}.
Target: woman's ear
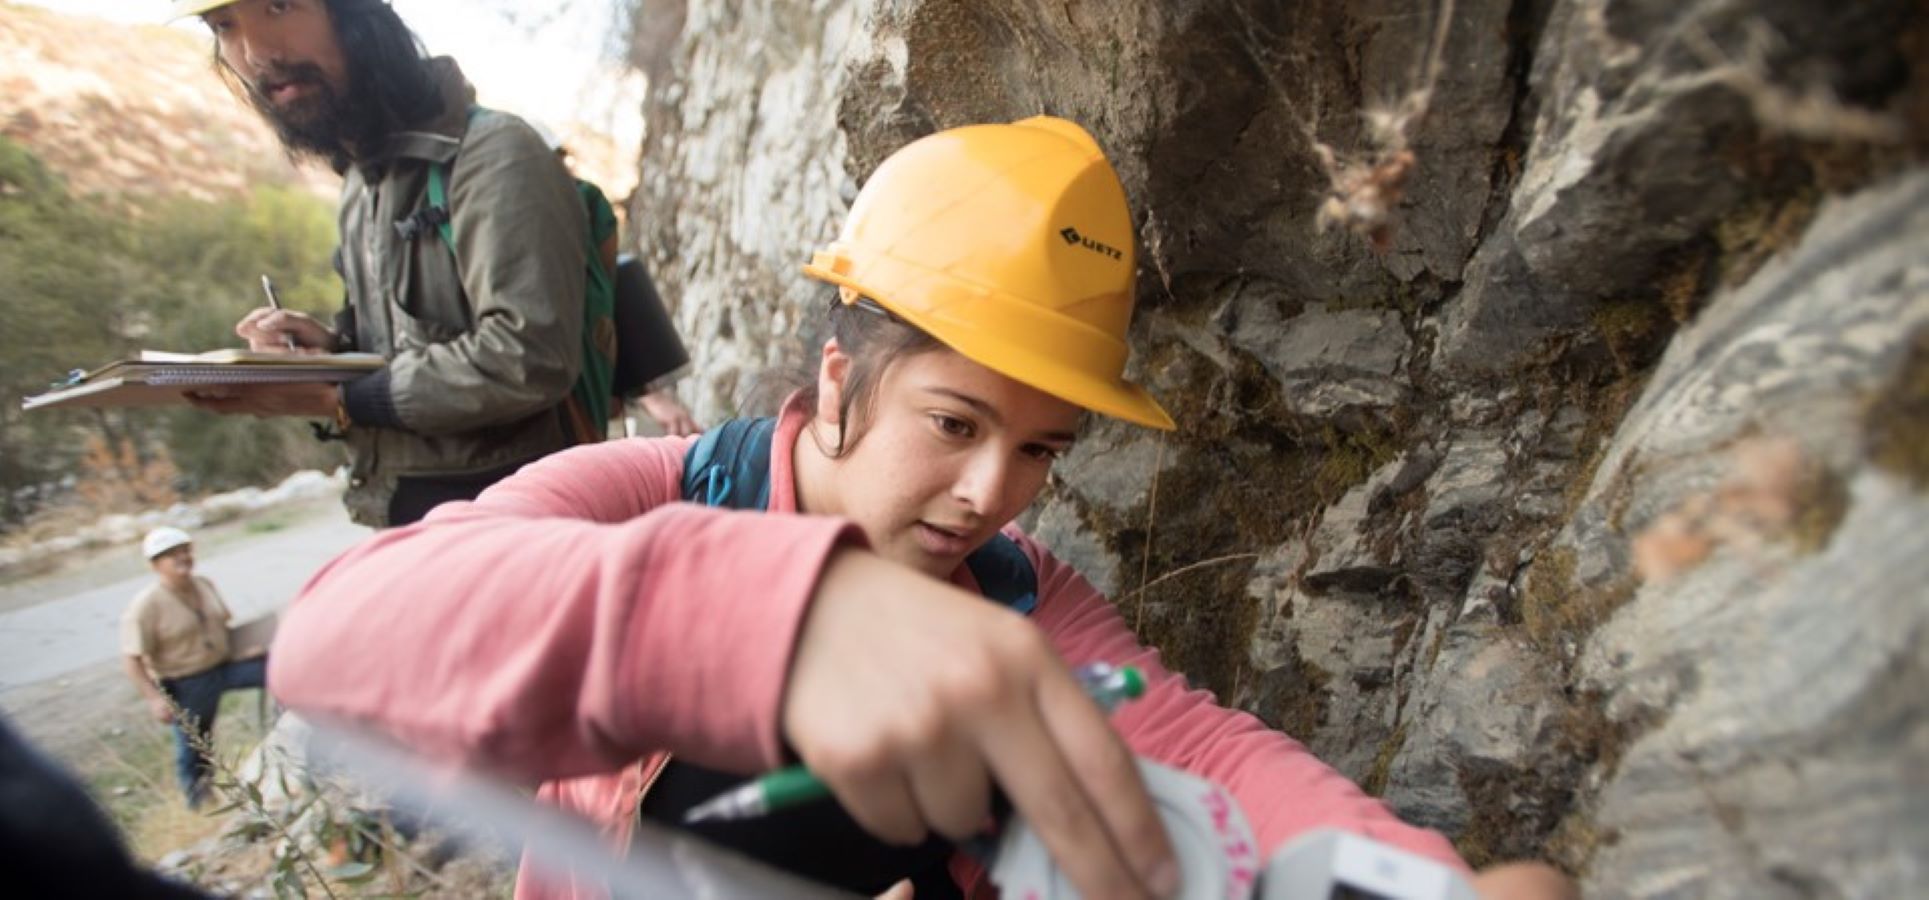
{"points": [[833, 369]]}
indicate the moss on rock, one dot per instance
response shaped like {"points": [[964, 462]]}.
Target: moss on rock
{"points": [[1375, 781], [1351, 456], [1896, 420], [1292, 697], [1557, 611], [1753, 234]]}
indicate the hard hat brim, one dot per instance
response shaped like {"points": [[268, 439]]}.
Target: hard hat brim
{"points": [[1117, 398], [1010, 244], [154, 549]]}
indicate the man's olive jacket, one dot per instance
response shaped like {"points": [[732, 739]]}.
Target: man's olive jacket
{"points": [[482, 344]]}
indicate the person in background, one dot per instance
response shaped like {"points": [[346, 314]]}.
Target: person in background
{"points": [[580, 625], [174, 647], [483, 335]]}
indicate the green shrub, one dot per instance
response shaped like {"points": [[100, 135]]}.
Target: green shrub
{"points": [[90, 280]]}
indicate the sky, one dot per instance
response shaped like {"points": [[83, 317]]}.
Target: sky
{"points": [[542, 59]]}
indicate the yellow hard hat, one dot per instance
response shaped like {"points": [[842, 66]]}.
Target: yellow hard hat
{"points": [[184, 8], [1012, 245]]}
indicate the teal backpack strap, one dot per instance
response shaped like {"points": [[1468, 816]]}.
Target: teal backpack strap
{"points": [[1005, 574], [591, 394], [439, 199], [595, 387], [730, 465], [439, 192]]}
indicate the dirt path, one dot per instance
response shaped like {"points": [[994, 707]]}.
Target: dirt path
{"points": [[82, 571]]}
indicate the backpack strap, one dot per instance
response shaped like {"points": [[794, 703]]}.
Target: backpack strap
{"points": [[586, 409], [729, 467], [437, 213], [1005, 574]]}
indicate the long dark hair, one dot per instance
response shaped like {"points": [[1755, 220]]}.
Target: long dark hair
{"points": [[391, 84], [874, 339]]}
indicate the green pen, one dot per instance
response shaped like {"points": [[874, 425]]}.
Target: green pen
{"points": [[791, 786]]}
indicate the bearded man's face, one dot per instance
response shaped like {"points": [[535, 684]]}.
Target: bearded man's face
{"points": [[286, 56]]}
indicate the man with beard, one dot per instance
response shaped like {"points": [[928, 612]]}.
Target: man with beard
{"points": [[483, 343]]}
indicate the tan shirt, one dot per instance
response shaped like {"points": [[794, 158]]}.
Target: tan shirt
{"points": [[177, 635]]}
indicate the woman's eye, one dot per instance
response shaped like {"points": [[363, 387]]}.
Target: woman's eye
{"points": [[951, 426], [1041, 452]]}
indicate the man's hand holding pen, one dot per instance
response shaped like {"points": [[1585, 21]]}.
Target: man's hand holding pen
{"points": [[269, 330], [272, 329]]}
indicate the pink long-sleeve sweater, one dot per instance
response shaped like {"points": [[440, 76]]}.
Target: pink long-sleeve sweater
{"points": [[577, 621]]}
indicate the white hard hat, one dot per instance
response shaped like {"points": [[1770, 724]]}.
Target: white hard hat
{"points": [[163, 539]]}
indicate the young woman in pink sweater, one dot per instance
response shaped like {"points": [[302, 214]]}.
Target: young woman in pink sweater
{"points": [[578, 625]]}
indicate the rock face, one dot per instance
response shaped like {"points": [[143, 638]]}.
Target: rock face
{"points": [[1785, 675], [1579, 510]]}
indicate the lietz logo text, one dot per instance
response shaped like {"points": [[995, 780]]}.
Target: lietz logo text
{"points": [[1072, 236]]}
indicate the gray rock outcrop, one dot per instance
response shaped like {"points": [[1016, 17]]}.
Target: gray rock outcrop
{"points": [[1577, 508]]}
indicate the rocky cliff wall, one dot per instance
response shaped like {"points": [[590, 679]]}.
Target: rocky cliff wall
{"points": [[1551, 379]]}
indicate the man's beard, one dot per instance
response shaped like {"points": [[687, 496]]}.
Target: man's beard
{"points": [[321, 123]]}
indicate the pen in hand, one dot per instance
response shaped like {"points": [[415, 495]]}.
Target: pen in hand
{"points": [[274, 301], [793, 786]]}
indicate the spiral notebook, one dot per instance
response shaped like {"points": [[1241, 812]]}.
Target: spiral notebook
{"points": [[163, 378]]}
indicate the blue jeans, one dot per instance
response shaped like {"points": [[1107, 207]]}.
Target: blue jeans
{"points": [[199, 697]]}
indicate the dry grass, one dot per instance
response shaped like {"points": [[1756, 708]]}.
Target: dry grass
{"points": [[133, 778], [130, 771]]}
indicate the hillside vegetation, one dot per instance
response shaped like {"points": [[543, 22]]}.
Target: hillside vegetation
{"points": [[139, 206]]}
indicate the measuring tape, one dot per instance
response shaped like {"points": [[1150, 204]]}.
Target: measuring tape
{"points": [[1219, 856], [1217, 852]]}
